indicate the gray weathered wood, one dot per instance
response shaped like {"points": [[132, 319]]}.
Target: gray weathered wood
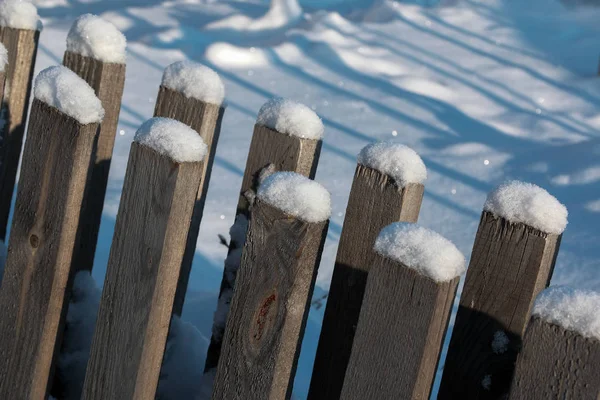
{"points": [[285, 153], [141, 279], [399, 335], [375, 202], [556, 364], [107, 80], [205, 119], [2, 84], [34, 292], [510, 265], [22, 49], [269, 306]]}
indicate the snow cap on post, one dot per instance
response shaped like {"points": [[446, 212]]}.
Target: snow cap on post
{"points": [[173, 139], [528, 204], [19, 14], [421, 249], [3, 57], [296, 195], [291, 118], [94, 37], [399, 162], [63, 89], [194, 80], [574, 310]]}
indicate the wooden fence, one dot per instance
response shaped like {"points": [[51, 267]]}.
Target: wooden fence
{"points": [[54, 230]]}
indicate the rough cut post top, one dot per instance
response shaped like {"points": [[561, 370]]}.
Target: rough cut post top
{"points": [[19, 14], [94, 37], [529, 204], [296, 195], [3, 57], [172, 139], [572, 309], [399, 162], [291, 118], [196, 81], [61, 88], [421, 249]]}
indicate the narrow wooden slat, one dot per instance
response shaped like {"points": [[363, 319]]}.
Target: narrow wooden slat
{"points": [[107, 80], [556, 364], [204, 118], [269, 306], [510, 265], [33, 296], [375, 202], [141, 279], [22, 50], [399, 334]]}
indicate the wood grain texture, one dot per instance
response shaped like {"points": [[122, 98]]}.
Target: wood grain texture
{"points": [[141, 279], [205, 119], [556, 364], [375, 202], [21, 45], [107, 80], [34, 292], [269, 306], [510, 265], [399, 335]]}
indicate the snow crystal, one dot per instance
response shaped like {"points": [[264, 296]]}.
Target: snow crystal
{"points": [[529, 204], [421, 249], [173, 139], [92, 36], [297, 195], [194, 80], [500, 342], [61, 88], [573, 309], [291, 118], [19, 14], [400, 162], [3, 57]]}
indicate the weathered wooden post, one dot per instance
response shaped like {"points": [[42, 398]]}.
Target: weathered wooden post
{"points": [[159, 192], [405, 313], [266, 322], [287, 137], [387, 188], [193, 94], [3, 62], [20, 28], [512, 262], [96, 52], [560, 358], [64, 118]]}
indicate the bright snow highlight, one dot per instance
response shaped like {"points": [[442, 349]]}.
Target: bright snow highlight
{"points": [[294, 119], [19, 14], [194, 80], [3, 57], [399, 162], [94, 37]]}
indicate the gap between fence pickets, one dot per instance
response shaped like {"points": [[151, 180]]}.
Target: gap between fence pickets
{"points": [[21, 45], [38, 267]]}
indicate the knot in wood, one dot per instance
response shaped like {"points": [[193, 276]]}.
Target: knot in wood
{"points": [[264, 318]]}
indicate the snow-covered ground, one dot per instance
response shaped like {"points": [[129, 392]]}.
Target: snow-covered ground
{"points": [[483, 90]]}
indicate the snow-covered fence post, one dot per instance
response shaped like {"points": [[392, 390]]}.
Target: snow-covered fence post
{"points": [[512, 262], [33, 298], [387, 188], [193, 94], [406, 309], [19, 32], [287, 137], [96, 52], [560, 358], [275, 282], [159, 192]]}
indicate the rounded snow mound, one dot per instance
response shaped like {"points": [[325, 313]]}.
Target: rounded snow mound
{"points": [[94, 37], [19, 14], [291, 118], [194, 80], [398, 161]]}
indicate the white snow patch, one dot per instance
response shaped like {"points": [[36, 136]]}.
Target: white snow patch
{"points": [[296, 195], [573, 309], [172, 139], [194, 80], [92, 36], [486, 382], [529, 204], [398, 161], [281, 14], [583, 177], [500, 342], [229, 56], [63, 89], [421, 249], [3, 57], [292, 118], [19, 14]]}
